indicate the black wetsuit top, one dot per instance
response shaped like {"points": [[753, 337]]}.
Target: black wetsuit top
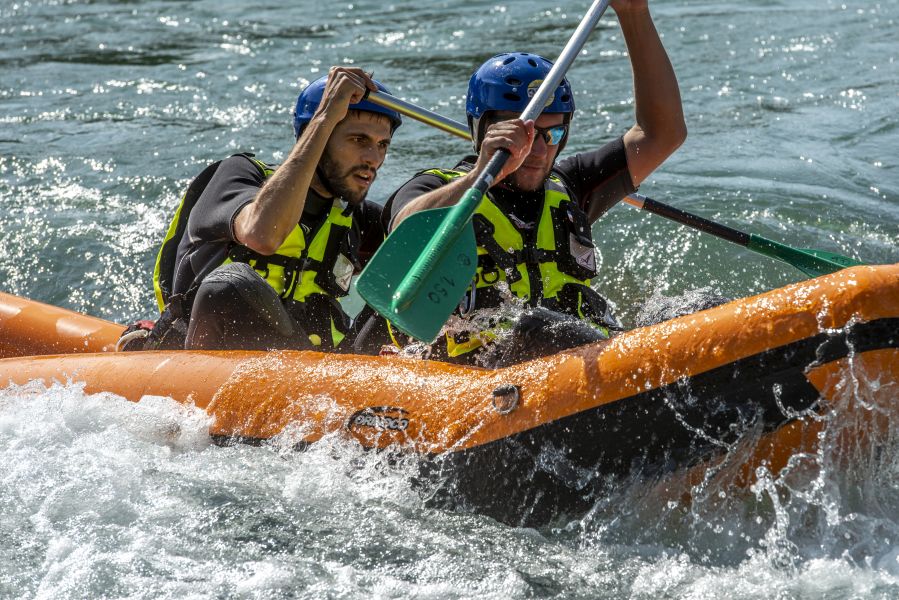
{"points": [[210, 227]]}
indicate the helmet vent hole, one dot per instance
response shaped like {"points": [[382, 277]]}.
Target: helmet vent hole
{"points": [[508, 60], [513, 81], [512, 97], [565, 98], [532, 62]]}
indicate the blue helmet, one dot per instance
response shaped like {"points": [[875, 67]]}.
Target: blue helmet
{"points": [[508, 82], [309, 99]]}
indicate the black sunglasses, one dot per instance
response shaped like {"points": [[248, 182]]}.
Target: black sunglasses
{"points": [[553, 136]]}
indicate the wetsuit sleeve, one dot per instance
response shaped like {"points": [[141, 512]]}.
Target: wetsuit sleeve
{"points": [[414, 188], [599, 179], [234, 185]]}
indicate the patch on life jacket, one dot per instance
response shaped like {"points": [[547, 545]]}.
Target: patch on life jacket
{"points": [[343, 272], [583, 254]]}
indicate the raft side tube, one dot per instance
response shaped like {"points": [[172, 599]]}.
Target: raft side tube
{"points": [[436, 407], [29, 328]]}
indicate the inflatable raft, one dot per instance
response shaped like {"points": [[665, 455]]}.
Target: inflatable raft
{"points": [[538, 439]]}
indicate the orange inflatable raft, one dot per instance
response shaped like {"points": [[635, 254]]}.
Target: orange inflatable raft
{"points": [[534, 440]]}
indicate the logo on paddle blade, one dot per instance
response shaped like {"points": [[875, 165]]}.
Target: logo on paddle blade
{"points": [[441, 289], [380, 418]]}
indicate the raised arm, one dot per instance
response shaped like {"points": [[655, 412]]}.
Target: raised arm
{"points": [[264, 224], [660, 128]]}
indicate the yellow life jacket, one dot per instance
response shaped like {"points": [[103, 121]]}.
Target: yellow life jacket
{"points": [[549, 263], [310, 270]]}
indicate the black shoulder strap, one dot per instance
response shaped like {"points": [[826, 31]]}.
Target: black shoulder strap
{"points": [[169, 250]]}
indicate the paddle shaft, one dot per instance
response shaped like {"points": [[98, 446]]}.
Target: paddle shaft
{"points": [[696, 222], [811, 262], [458, 218], [419, 114]]}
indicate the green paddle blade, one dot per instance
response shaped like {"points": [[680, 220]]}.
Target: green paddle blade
{"points": [[442, 285], [834, 258], [813, 263]]}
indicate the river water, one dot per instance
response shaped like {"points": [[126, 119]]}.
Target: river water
{"points": [[108, 109]]}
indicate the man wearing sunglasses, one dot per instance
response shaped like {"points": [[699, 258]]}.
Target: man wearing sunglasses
{"points": [[533, 228]]}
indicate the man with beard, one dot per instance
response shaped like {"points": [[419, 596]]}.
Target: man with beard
{"points": [[266, 252], [533, 228]]}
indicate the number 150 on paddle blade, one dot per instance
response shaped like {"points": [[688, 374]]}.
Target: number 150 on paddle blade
{"points": [[442, 286]]}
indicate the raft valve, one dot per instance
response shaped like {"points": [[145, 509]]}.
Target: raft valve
{"points": [[505, 398]]}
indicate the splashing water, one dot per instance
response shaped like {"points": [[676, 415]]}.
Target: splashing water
{"points": [[101, 496]]}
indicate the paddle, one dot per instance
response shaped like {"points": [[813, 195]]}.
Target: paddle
{"points": [[422, 270], [419, 114], [810, 261]]}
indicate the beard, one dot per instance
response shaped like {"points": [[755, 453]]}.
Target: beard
{"points": [[515, 181], [338, 180]]}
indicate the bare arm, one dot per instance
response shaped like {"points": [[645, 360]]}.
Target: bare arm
{"points": [[263, 224], [446, 195], [515, 136], [660, 128]]}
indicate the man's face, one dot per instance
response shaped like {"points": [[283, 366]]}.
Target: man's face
{"points": [[354, 153], [536, 167]]}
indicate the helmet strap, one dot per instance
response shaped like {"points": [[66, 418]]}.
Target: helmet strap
{"points": [[478, 128], [566, 120], [475, 134]]}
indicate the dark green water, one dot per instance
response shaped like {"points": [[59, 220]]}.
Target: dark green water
{"points": [[108, 109]]}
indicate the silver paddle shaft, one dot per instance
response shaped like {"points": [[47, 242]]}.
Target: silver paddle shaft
{"points": [[419, 114], [560, 67]]}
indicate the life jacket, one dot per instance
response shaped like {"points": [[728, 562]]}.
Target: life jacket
{"points": [[549, 263], [311, 269]]}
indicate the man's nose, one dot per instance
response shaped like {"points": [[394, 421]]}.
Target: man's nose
{"points": [[371, 156]]}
